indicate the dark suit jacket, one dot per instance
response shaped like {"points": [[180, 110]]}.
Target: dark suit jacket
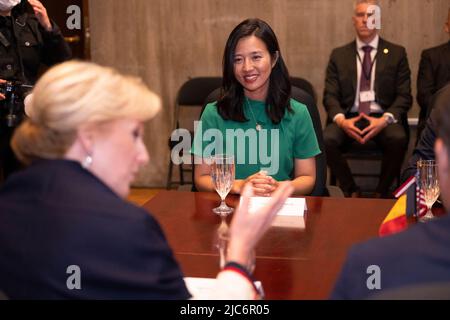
{"points": [[419, 255], [392, 80], [425, 146], [56, 214], [424, 149], [434, 73]]}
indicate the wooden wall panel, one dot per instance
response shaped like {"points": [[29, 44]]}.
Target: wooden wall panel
{"points": [[167, 41]]}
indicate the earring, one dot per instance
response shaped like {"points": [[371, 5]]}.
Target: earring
{"points": [[87, 162]]}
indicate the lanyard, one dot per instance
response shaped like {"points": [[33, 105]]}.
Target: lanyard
{"points": [[367, 76]]}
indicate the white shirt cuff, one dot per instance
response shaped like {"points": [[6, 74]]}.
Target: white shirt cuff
{"points": [[339, 115]]}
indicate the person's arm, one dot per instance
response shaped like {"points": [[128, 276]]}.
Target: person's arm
{"points": [[203, 180], [247, 228], [401, 104], [55, 47], [332, 89], [425, 147], [403, 99], [304, 176]]}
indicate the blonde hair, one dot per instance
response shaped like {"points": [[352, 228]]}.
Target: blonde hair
{"points": [[73, 94]]}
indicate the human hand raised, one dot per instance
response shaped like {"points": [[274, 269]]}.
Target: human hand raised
{"points": [[247, 227], [41, 14]]}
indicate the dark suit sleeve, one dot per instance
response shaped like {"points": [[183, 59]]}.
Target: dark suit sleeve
{"points": [[426, 85], [56, 49], [332, 91], [425, 147], [403, 100], [351, 283]]}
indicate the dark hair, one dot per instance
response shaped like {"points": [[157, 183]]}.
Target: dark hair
{"points": [[230, 104]]}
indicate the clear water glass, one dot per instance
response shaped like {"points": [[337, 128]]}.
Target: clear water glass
{"points": [[429, 184], [222, 174]]}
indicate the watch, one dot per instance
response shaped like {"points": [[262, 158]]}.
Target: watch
{"points": [[389, 119]]}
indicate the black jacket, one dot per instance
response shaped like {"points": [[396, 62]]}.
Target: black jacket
{"points": [[417, 256], [55, 214], [425, 146], [392, 80], [25, 45], [434, 74]]}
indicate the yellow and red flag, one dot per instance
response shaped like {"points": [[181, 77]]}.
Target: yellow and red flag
{"points": [[395, 221], [410, 202]]}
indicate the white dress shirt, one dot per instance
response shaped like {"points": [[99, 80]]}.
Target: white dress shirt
{"points": [[374, 107]]}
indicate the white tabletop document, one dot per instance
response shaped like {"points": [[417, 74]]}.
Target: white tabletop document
{"points": [[291, 215], [203, 288]]}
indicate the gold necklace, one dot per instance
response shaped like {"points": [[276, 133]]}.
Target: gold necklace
{"points": [[258, 126]]}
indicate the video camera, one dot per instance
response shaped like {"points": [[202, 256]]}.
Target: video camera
{"points": [[12, 108]]}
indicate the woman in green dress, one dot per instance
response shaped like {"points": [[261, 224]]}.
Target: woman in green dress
{"points": [[270, 135]]}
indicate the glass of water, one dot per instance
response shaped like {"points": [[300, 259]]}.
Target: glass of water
{"points": [[429, 184], [222, 174]]}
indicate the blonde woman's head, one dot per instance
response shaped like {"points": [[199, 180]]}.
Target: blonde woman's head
{"points": [[72, 95], [91, 114]]}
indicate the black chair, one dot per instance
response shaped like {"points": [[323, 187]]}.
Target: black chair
{"points": [[303, 97], [305, 85], [191, 94], [321, 164], [368, 152], [356, 151]]}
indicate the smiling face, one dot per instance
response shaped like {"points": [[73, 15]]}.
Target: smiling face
{"points": [[360, 18], [253, 66], [118, 152]]}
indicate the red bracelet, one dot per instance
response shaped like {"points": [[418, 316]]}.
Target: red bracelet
{"points": [[236, 267]]}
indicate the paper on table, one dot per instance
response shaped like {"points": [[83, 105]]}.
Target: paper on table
{"points": [[290, 215], [203, 287]]}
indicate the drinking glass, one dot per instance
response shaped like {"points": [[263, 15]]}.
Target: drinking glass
{"points": [[222, 174], [429, 184]]}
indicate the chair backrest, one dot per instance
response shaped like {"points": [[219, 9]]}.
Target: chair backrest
{"points": [[321, 164], [305, 85], [305, 98], [194, 92]]}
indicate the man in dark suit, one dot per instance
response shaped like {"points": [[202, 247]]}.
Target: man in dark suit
{"points": [[425, 146], [416, 258], [434, 73], [367, 96]]}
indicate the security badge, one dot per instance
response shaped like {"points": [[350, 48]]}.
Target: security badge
{"points": [[367, 96]]}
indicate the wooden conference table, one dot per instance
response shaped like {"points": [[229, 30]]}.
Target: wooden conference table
{"points": [[292, 263]]}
